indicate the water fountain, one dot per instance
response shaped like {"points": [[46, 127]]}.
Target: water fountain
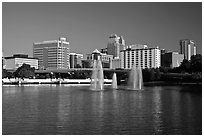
{"points": [[97, 79], [135, 78], [114, 81]]}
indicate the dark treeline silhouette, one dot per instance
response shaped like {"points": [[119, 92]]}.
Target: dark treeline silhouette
{"points": [[188, 71], [25, 71], [192, 66]]}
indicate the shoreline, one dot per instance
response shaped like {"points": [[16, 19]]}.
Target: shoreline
{"points": [[171, 83], [49, 81], [18, 81]]}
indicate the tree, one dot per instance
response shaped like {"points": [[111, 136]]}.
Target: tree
{"points": [[185, 66], [157, 74], [25, 71], [196, 63], [151, 75], [148, 74], [145, 74], [163, 69], [78, 66], [4, 73]]}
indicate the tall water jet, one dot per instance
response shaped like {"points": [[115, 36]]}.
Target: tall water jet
{"points": [[100, 76], [97, 79], [94, 76], [135, 78], [114, 81]]}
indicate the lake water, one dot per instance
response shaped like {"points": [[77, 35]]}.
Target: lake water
{"points": [[65, 109]]}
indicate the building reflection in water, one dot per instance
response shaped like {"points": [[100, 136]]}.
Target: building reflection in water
{"points": [[48, 101], [184, 113], [97, 109], [101, 105], [176, 111], [157, 110], [22, 109], [77, 110], [64, 108]]}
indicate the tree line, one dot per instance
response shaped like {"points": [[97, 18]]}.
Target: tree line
{"points": [[193, 67]]}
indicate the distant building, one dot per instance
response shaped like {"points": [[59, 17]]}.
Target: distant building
{"points": [[17, 60], [104, 50], [171, 59], [163, 51], [52, 54], [188, 48], [96, 55], [116, 63], [137, 46], [75, 60], [140, 56], [107, 60], [115, 45]]}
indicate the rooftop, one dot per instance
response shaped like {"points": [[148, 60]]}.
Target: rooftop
{"points": [[25, 56], [96, 51]]}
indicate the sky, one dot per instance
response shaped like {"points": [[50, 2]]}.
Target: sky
{"points": [[87, 26]]}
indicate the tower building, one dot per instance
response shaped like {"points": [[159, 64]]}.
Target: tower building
{"points": [[188, 48], [52, 54], [115, 45], [75, 60]]}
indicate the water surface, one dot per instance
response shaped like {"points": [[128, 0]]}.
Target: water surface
{"points": [[64, 109]]}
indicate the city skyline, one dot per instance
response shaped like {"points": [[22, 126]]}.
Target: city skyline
{"points": [[87, 26]]}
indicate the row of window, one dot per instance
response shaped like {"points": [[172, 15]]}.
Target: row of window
{"points": [[38, 51], [137, 54]]}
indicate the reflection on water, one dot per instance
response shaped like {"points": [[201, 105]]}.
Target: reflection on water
{"points": [[157, 110], [62, 109]]}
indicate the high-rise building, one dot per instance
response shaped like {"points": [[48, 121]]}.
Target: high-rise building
{"points": [[171, 59], [115, 45], [52, 54], [75, 60], [17, 60], [142, 56], [188, 48]]}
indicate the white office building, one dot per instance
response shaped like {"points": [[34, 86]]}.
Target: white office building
{"points": [[140, 56], [17, 60], [52, 54]]}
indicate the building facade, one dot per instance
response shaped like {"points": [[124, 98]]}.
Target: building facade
{"points": [[188, 48], [104, 50], [96, 55], [116, 63], [115, 45], [141, 56], [52, 54], [75, 60], [171, 59], [137, 46], [17, 60]]}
